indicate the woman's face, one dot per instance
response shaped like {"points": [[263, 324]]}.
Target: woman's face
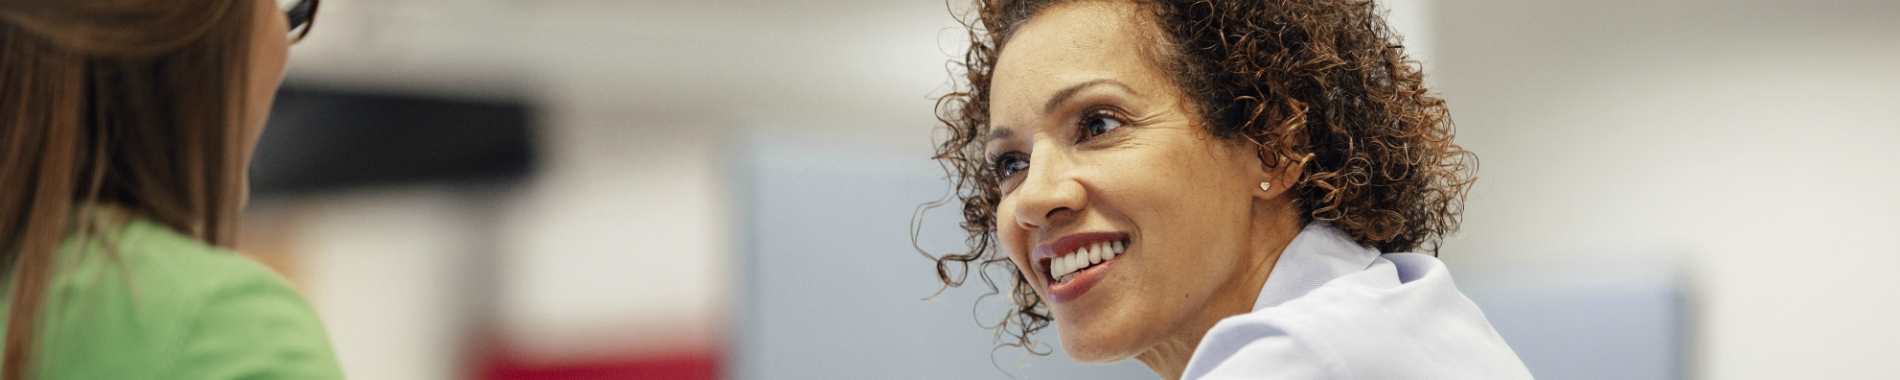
{"points": [[270, 49], [1094, 143]]}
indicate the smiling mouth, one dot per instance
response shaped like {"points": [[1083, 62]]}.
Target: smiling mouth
{"points": [[1064, 268]]}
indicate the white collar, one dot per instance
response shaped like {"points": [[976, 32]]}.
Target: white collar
{"points": [[1319, 254]]}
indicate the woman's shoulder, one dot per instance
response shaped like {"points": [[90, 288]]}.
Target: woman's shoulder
{"points": [[167, 303], [163, 267], [1400, 318]]}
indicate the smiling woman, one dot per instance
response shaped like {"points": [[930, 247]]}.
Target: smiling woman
{"points": [[1218, 189]]}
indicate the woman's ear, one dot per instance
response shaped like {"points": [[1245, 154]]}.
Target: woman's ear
{"points": [[1279, 177]]}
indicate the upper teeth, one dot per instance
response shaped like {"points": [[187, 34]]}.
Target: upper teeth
{"points": [[1083, 258]]}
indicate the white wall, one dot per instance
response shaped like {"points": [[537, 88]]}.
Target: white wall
{"points": [[622, 243], [1751, 140], [394, 274]]}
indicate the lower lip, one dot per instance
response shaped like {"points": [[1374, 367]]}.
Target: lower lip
{"points": [[1060, 292]]}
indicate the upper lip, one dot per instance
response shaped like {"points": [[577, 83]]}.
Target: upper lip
{"points": [[1066, 244]]}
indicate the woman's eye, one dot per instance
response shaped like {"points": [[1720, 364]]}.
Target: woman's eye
{"points": [[1008, 165], [1096, 125]]}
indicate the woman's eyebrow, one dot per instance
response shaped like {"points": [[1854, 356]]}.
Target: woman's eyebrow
{"points": [[1066, 93], [1000, 133], [1057, 99]]}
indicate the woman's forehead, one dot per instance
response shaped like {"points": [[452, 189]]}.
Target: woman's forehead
{"points": [[1067, 39], [1065, 47]]}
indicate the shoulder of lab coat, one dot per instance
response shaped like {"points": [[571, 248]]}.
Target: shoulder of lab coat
{"points": [[1398, 316]]}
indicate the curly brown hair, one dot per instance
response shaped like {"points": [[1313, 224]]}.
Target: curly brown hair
{"points": [[1322, 85]]}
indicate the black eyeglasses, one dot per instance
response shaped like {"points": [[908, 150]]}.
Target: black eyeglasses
{"points": [[301, 15]]}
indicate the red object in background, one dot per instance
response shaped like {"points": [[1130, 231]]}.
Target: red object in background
{"points": [[701, 365]]}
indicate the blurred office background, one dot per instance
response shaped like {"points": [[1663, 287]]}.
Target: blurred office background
{"points": [[596, 189]]}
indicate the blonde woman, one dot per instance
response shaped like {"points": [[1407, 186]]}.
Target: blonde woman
{"points": [[128, 125]]}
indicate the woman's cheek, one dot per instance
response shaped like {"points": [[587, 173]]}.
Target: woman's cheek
{"points": [[1010, 237]]}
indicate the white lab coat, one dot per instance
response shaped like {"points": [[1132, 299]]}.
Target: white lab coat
{"points": [[1333, 309]]}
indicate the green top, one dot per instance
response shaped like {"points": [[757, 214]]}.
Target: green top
{"points": [[162, 305]]}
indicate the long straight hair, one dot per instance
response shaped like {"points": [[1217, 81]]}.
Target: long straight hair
{"points": [[135, 104]]}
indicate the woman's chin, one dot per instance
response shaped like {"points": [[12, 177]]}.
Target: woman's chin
{"points": [[1096, 347]]}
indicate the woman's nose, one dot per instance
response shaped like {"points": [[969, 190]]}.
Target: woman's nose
{"points": [[1049, 192]]}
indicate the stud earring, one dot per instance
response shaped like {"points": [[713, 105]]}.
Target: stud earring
{"points": [[1265, 186]]}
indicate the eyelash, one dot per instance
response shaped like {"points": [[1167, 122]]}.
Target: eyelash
{"points": [[1000, 165], [1085, 124]]}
